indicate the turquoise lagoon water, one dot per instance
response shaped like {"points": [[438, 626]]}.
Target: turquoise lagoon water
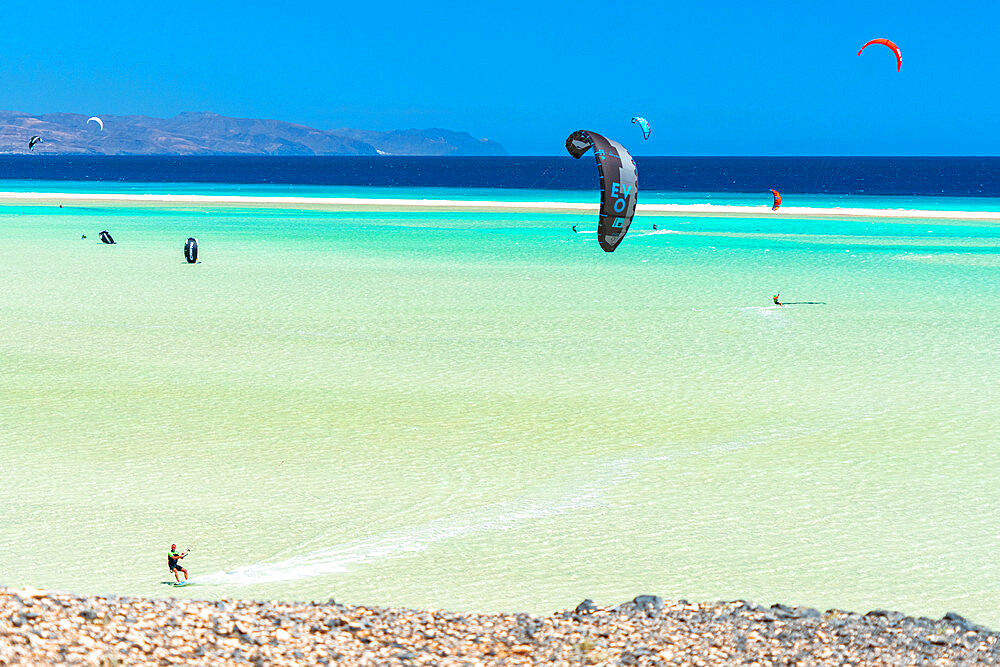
{"points": [[484, 411]]}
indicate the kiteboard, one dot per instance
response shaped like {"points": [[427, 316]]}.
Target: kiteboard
{"points": [[177, 583]]}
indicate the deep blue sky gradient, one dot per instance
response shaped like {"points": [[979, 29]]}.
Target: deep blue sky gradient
{"points": [[713, 78]]}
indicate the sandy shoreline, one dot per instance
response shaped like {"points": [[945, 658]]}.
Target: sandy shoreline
{"points": [[39, 627], [388, 204]]}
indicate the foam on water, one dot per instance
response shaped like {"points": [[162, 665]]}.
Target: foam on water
{"points": [[400, 542], [393, 544], [496, 517]]}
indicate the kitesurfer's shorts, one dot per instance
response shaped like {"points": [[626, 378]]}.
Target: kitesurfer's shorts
{"points": [[176, 566]]}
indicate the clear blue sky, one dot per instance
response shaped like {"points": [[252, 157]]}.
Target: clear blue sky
{"points": [[713, 78]]}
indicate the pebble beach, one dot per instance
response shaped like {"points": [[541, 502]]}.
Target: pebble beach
{"points": [[41, 627]]}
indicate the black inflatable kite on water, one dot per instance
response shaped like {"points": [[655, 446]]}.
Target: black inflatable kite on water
{"points": [[619, 184], [191, 250], [106, 237]]}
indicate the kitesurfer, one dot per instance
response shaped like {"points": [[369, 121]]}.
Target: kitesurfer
{"points": [[776, 302], [173, 562]]}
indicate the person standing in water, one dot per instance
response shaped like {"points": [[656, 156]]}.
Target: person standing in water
{"points": [[173, 562], [776, 302]]}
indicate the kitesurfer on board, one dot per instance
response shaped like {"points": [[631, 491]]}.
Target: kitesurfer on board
{"points": [[776, 302], [173, 562]]}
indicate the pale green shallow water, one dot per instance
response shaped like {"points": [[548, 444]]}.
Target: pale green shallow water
{"points": [[485, 411]]}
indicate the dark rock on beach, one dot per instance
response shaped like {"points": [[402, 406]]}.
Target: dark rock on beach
{"points": [[642, 604], [646, 630]]}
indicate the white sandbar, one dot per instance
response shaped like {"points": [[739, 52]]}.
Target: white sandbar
{"points": [[388, 204]]}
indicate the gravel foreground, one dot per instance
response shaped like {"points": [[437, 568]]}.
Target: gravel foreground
{"points": [[42, 628]]}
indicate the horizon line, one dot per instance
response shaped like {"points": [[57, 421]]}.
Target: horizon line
{"points": [[42, 155]]}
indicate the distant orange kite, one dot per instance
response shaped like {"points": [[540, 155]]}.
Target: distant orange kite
{"points": [[890, 44], [777, 200]]}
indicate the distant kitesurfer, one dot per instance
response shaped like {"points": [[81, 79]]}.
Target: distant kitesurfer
{"points": [[173, 558], [654, 228], [776, 302], [84, 236]]}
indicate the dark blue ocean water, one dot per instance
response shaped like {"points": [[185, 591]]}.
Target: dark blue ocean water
{"points": [[932, 176]]}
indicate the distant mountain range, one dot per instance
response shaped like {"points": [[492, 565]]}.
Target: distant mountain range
{"points": [[200, 133]]}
